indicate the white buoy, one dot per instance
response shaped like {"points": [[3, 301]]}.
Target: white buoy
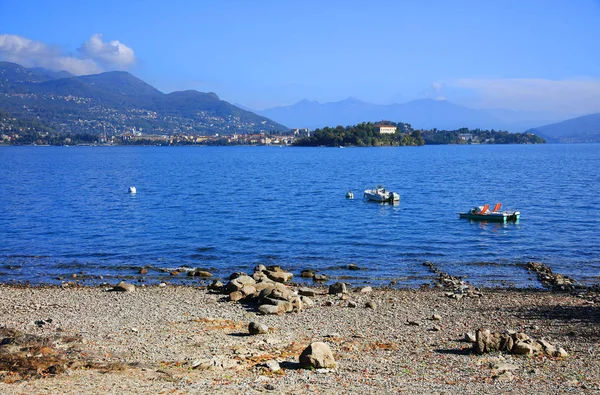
{"points": [[132, 190]]}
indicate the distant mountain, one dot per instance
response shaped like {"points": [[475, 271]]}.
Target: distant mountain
{"points": [[50, 73], [421, 114], [116, 102], [585, 129]]}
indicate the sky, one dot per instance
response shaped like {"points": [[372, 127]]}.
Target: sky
{"points": [[524, 55]]}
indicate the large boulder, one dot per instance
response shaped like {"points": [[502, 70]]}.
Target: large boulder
{"points": [[124, 287], [337, 288], [317, 355], [278, 275], [254, 328], [269, 309], [237, 283], [200, 273]]}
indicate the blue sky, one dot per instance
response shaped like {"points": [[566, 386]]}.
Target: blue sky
{"points": [[520, 55]]}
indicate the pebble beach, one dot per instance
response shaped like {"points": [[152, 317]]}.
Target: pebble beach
{"points": [[184, 339]]}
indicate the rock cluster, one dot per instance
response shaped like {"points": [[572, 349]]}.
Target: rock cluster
{"points": [[549, 279], [512, 342], [456, 287], [267, 288]]}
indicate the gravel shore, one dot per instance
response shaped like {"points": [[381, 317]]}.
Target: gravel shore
{"points": [[178, 339]]}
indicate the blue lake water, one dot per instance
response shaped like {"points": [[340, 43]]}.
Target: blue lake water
{"points": [[66, 210]]}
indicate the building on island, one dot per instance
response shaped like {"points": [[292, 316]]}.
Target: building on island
{"points": [[385, 129]]}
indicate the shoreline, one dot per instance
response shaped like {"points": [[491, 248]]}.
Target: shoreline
{"points": [[182, 339]]}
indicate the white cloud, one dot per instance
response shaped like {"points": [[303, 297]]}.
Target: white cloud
{"points": [[535, 94], [112, 53], [95, 55]]}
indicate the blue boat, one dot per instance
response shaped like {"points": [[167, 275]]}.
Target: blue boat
{"points": [[483, 213]]}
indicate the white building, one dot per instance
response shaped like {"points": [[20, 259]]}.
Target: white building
{"points": [[385, 129]]}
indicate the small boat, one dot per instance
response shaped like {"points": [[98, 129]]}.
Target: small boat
{"points": [[349, 195], [379, 194], [483, 213]]}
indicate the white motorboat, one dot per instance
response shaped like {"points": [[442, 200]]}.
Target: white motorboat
{"points": [[379, 194]]}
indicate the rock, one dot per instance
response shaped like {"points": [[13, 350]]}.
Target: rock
{"points": [[328, 303], [436, 317], [237, 283], [268, 309], [561, 353], [260, 276], [504, 376], [216, 285], [307, 273], [260, 268], [344, 296], [317, 355], [522, 348], [306, 301], [235, 275], [143, 271], [519, 336], [307, 292], [124, 287], [413, 323], [297, 304], [548, 348], [371, 305], [214, 363], [481, 339], [283, 305], [236, 296], [366, 290], [337, 288], [503, 367], [162, 285], [174, 273], [352, 266], [254, 328], [436, 328], [352, 304], [320, 277], [248, 290], [486, 341], [281, 294], [277, 274], [200, 273], [272, 365]]}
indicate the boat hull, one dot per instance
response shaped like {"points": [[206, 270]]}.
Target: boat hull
{"points": [[495, 217], [381, 197]]}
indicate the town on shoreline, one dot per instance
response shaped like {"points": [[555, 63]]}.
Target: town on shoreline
{"points": [[366, 134]]}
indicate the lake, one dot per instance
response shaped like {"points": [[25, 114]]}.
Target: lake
{"points": [[66, 210]]}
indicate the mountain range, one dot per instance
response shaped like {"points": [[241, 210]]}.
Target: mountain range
{"points": [[585, 129], [116, 102], [421, 114]]}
